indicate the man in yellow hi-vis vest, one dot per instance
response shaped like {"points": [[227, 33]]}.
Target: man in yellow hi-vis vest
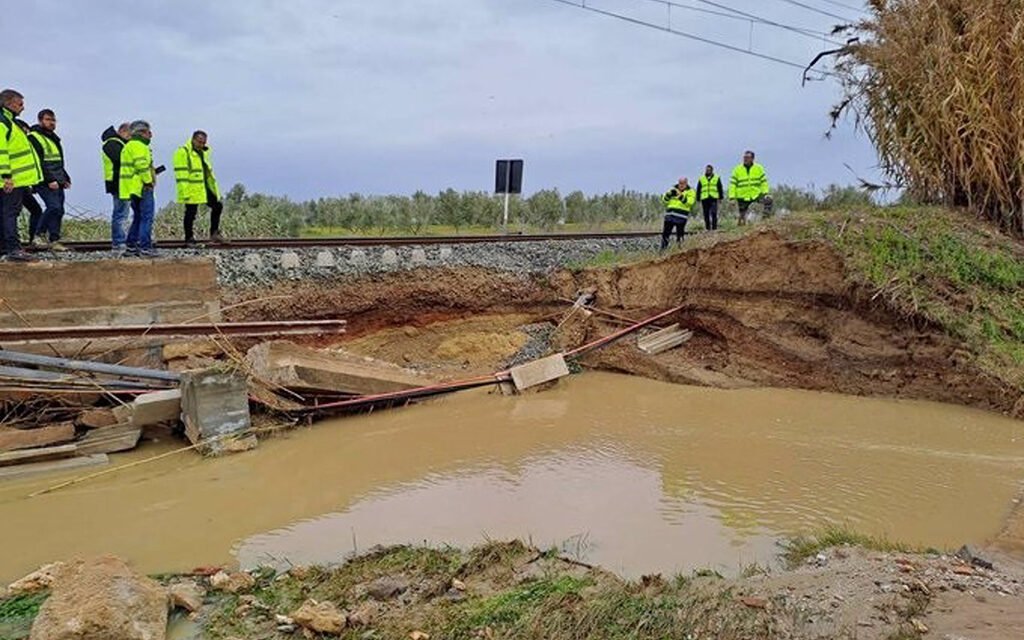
{"points": [[197, 184], [19, 172], [749, 184], [55, 181], [709, 192], [678, 201]]}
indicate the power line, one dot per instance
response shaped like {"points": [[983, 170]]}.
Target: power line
{"points": [[742, 16], [788, 27], [684, 34], [845, 6], [816, 10]]}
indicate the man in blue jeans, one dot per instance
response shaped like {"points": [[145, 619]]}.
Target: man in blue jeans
{"points": [[138, 179], [55, 180], [113, 142]]}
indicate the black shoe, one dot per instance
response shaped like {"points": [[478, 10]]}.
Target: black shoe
{"points": [[20, 256]]}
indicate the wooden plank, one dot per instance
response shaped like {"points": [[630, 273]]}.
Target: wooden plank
{"points": [[39, 453], [540, 371], [54, 466], [13, 439], [110, 440]]}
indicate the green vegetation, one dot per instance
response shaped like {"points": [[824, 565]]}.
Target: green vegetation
{"points": [[448, 213], [797, 550], [939, 264], [17, 613]]}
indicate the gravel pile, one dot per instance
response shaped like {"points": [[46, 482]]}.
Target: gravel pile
{"points": [[261, 267], [537, 346]]}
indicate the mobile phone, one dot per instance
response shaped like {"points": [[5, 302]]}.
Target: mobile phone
{"points": [[159, 169]]}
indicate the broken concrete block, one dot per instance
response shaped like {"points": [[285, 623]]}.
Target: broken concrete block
{"points": [[289, 365], [110, 440], [214, 407], [540, 371], [96, 418], [153, 408]]}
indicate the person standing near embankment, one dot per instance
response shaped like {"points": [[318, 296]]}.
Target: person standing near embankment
{"points": [[113, 143], [749, 184], [138, 180], [35, 211], [19, 172], [709, 192], [679, 201], [55, 181], [196, 185]]}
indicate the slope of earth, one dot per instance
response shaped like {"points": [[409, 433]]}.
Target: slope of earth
{"points": [[905, 303]]}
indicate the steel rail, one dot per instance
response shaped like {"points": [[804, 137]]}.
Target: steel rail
{"points": [[362, 241], [270, 328]]}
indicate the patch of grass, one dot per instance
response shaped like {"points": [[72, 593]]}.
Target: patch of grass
{"points": [[797, 550], [940, 265], [507, 609], [17, 614], [610, 258]]}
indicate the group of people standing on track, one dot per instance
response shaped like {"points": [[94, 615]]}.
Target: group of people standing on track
{"points": [[32, 164], [747, 185]]}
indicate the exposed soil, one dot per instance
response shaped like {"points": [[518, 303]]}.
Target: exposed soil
{"points": [[766, 311]]}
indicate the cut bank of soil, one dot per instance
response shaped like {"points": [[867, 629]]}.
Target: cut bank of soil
{"points": [[766, 311]]}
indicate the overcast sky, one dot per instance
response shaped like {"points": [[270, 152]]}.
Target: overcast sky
{"points": [[324, 97]]}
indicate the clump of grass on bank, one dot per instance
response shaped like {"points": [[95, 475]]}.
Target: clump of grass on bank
{"points": [[17, 614], [940, 264], [797, 550]]}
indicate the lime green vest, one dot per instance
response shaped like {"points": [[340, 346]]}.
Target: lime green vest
{"points": [[108, 164], [679, 202], [136, 168], [748, 184], [709, 188], [189, 175], [18, 160]]}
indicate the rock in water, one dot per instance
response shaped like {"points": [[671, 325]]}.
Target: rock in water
{"points": [[321, 617], [102, 599], [187, 595], [232, 582]]}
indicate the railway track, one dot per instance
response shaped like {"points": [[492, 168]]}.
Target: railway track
{"points": [[300, 243]]}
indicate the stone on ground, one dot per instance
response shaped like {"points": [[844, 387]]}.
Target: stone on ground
{"points": [[232, 582], [36, 581], [320, 617], [102, 599], [187, 595]]}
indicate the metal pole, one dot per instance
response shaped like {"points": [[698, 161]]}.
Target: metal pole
{"points": [[508, 188], [504, 223]]}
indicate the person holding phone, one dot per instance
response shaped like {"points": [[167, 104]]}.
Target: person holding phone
{"points": [[138, 180]]}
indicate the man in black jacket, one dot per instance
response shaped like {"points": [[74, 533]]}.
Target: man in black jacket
{"points": [[55, 179], [113, 142]]}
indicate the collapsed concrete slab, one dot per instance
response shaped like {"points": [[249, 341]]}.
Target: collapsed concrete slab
{"points": [[215, 408], [299, 368], [540, 371]]}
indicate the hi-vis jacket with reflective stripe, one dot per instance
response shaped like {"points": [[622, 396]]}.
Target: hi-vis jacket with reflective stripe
{"points": [[193, 171], [136, 167], [709, 188], [18, 160], [679, 202], [51, 154], [748, 184]]}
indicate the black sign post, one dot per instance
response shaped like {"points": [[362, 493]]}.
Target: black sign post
{"points": [[508, 179]]}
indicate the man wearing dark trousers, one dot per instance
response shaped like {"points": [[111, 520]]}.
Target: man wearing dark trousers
{"points": [[197, 184], [35, 211], [55, 180], [679, 201], [709, 192], [19, 172], [113, 143]]}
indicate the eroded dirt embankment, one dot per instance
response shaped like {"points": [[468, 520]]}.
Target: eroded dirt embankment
{"points": [[766, 311]]}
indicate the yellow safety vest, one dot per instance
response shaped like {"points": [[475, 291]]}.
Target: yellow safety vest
{"points": [[748, 184], [192, 181], [709, 187], [136, 168], [108, 164], [18, 160], [680, 203]]}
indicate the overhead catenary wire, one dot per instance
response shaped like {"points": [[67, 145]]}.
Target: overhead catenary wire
{"points": [[843, 5], [725, 11], [814, 9], [685, 34]]}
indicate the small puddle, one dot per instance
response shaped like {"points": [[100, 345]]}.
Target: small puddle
{"points": [[636, 475]]}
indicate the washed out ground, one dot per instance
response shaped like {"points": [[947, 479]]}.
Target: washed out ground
{"points": [[917, 304]]}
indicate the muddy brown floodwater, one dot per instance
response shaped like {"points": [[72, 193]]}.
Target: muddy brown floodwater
{"points": [[636, 475]]}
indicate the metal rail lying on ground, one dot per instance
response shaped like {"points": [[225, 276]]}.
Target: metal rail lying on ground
{"points": [[252, 329], [299, 243]]}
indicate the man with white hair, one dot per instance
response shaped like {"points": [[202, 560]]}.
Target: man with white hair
{"points": [[138, 180]]}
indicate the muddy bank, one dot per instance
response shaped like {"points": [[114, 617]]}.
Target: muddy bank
{"points": [[515, 591], [766, 311]]}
